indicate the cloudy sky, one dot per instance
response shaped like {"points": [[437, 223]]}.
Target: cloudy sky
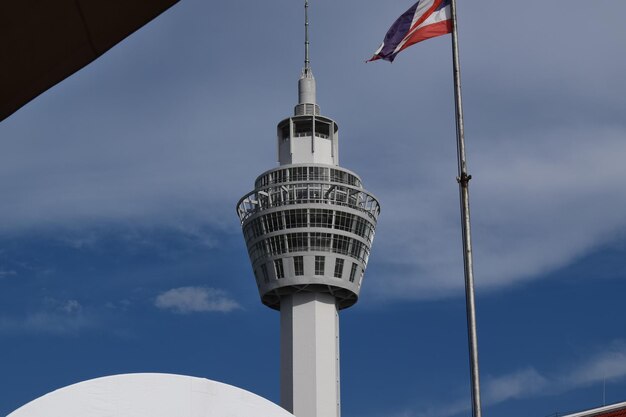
{"points": [[120, 250]]}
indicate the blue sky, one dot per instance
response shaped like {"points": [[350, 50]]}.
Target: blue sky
{"points": [[120, 250]]}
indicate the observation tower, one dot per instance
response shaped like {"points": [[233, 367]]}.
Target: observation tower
{"points": [[309, 226]]}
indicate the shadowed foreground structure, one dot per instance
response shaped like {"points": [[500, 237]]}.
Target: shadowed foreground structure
{"points": [[44, 42]]}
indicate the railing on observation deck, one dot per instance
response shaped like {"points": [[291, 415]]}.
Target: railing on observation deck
{"points": [[307, 193]]}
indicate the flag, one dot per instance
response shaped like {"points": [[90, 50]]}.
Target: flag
{"points": [[424, 20]]}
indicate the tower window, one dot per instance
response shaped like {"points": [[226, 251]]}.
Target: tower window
{"points": [[338, 176], [303, 128], [320, 241], [266, 276], [276, 245], [278, 266], [338, 267], [280, 175], [344, 221], [298, 174], [358, 250], [298, 265], [318, 173], [321, 218], [322, 129], [285, 132], [341, 244], [362, 228], [295, 218], [273, 222], [353, 272], [257, 227], [298, 242], [319, 265]]}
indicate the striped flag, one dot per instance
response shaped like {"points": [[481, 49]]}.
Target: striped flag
{"points": [[424, 20]]}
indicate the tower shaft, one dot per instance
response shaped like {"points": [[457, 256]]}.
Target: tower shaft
{"points": [[309, 348]]}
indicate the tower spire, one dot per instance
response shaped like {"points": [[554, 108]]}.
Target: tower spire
{"points": [[307, 61], [306, 84]]}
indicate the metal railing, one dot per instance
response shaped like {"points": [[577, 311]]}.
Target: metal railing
{"points": [[307, 193]]}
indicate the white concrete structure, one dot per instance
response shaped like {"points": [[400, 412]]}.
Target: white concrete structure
{"points": [[309, 226], [150, 395], [309, 341]]}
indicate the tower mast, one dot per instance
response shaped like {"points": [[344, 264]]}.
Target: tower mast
{"points": [[307, 61], [309, 226]]}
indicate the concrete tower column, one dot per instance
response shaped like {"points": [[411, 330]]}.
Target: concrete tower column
{"points": [[309, 355]]}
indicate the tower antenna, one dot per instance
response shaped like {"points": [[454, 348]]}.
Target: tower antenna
{"points": [[306, 83], [307, 61]]}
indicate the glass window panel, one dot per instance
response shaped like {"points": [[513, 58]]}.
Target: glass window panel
{"points": [[341, 244], [290, 219], [338, 268], [303, 127], [278, 266], [295, 218], [361, 227], [344, 221], [320, 241], [356, 249], [319, 265], [298, 242], [321, 218], [266, 276], [298, 265], [353, 272]]}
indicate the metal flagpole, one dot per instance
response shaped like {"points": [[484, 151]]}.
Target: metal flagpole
{"points": [[463, 180]]}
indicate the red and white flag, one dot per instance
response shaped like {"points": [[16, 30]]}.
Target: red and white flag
{"points": [[424, 20]]}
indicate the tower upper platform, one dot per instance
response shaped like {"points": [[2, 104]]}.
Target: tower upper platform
{"points": [[308, 137]]}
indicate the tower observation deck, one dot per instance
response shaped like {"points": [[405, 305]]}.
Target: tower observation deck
{"points": [[309, 226]]}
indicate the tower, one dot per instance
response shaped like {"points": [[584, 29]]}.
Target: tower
{"points": [[309, 226]]}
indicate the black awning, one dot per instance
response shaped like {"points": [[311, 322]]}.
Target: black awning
{"points": [[42, 42]]}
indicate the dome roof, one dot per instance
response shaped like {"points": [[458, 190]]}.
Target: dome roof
{"points": [[150, 395]]}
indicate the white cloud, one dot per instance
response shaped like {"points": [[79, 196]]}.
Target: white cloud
{"points": [[71, 307], [610, 365], [517, 385], [9, 273], [195, 300], [537, 205], [528, 383]]}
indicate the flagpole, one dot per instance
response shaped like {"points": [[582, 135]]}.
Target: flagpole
{"points": [[463, 180]]}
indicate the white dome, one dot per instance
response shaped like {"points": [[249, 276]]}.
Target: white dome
{"points": [[150, 395]]}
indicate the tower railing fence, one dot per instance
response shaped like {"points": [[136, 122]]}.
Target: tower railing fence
{"points": [[307, 193]]}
